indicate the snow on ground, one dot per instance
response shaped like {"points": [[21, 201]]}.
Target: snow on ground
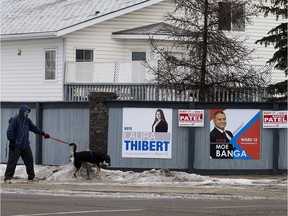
{"points": [[61, 182], [155, 177]]}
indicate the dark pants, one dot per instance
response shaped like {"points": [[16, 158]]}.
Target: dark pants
{"points": [[27, 157]]}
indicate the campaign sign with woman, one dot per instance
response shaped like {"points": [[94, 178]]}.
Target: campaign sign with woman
{"points": [[146, 133]]}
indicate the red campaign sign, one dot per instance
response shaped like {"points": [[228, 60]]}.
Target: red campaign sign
{"points": [[191, 118], [250, 141], [275, 119]]}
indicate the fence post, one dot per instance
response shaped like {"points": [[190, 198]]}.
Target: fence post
{"points": [[98, 121], [66, 92], [276, 141], [191, 144], [39, 142], [157, 96]]}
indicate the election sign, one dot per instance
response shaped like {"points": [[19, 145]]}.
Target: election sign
{"points": [[190, 118], [235, 134], [147, 133], [275, 119]]}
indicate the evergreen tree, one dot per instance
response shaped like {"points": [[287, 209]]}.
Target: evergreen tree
{"points": [[277, 35]]}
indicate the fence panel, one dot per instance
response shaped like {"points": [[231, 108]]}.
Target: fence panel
{"points": [[6, 114], [183, 141], [180, 144], [65, 121], [67, 124], [69, 121]]}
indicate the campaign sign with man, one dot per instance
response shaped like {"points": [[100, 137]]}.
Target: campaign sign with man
{"points": [[235, 134], [147, 133]]}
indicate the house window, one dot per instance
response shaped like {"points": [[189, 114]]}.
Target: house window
{"points": [[231, 16], [138, 68], [138, 56], [177, 55], [84, 55], [50, 64], [85, 68]]}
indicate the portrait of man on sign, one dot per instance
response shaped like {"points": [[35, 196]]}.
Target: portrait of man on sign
{"points": [[220, 146], [235, 134]]}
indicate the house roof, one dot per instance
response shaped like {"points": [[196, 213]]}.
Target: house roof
{"points": [[24, 19], [158, 28], [157, 31]]}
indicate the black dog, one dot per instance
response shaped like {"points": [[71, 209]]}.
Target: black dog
{"points": [[87, 159]]}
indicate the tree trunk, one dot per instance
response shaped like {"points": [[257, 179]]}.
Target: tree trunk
{"points": [[203, 89]]}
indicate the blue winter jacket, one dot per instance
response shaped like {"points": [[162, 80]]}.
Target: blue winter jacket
{"points": [[19, 127]]}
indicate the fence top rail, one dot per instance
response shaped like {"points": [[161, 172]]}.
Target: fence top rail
{"points": [[154, 91], [110, 84], [148, 84]]}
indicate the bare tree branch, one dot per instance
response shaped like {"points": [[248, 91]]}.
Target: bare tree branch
{"points": [[212, 57]]}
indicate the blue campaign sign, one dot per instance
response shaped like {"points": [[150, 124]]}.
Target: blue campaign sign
{"points": [[147, 133]]}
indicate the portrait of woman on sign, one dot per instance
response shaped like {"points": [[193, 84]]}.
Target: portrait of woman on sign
{"points": [[160, 124]]}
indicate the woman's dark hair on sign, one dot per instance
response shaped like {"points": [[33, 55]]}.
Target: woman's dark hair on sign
{"points": [[160, 124]]}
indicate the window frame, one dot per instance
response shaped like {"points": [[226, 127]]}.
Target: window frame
{"points": [[47, 71], [135, 52], [230, 22], [84, 59]]}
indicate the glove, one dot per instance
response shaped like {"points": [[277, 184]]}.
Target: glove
{"points": [[46, 135], [12, 145]]}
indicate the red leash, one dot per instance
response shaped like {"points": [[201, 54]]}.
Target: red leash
{"points": [[59, 140]]}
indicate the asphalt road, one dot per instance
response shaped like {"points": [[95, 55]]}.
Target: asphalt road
{"points": [[81, 198], [31, 204]]}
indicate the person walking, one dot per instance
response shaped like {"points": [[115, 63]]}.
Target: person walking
{"points": [[19, 144]]}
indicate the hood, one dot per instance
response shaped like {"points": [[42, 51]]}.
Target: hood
{"points": [[23, 109]]}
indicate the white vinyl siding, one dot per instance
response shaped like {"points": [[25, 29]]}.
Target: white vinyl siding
{"points": [[23, 76], [257, 31], [99, 37]]}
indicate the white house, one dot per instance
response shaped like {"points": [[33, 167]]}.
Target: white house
{"points": [[46, 44]]}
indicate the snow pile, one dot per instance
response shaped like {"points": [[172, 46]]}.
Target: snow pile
{"points": [[161, 177]]}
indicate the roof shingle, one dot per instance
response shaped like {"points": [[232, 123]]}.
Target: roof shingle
{"points": [[42, 16]]}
